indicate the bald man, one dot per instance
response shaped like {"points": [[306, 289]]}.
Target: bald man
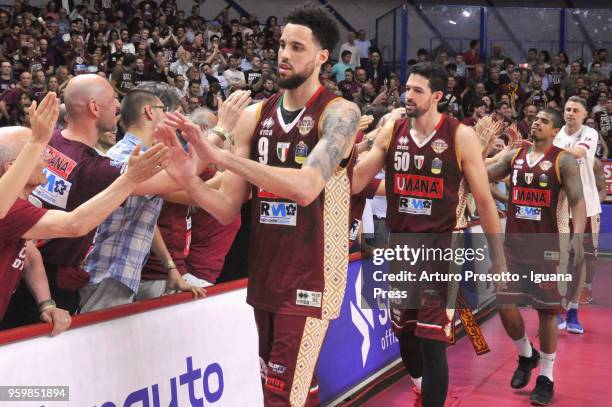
{"points": [[25, 221]]}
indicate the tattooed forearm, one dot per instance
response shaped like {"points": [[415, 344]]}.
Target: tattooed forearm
{"points": [[501, 168], [570, 176], [340, 123]]}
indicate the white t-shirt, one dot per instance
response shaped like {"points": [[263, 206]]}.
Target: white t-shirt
{"points": [[586, 138]]}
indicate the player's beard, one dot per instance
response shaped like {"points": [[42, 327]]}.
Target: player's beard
{"points": [[296, 80], [418, 111]]}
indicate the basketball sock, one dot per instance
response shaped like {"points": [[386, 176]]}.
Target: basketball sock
{"points": [[547, 362], [588, 285], [435, 373], [417, 383], [573, 305], [523, 346]]}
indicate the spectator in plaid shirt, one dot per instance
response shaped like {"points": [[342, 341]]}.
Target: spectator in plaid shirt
{"points": [[123, 241]]}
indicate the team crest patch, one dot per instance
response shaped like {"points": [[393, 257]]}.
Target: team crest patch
{"points": [[528, 177], [282, 149], [418, 161], [301, 152], [306, 125], [439, 146], [543, 181], [545, 165], [436, 166]]}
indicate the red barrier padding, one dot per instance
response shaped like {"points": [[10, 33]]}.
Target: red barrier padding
{"points": [[42, 329]]}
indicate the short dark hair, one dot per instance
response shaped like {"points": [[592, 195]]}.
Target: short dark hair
{"points": [[194, 82], [422, 51], [320, 21], [479, 103], [532, 50], [129, 59], [437, 75], [473, 43], [557, 118], [345, 53], [133, 102], [499, 105]]}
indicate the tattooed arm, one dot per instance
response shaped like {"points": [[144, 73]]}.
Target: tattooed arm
{"points": [[600, 179], [502, 167], [339, 126], [569, 171]]}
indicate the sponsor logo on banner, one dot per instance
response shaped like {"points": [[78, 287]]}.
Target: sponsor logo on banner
{"points": [[546, 165], [527, 212], [518, 164], [278, 213], [419, 186], [282, 149], [402, 143], [528, 177], [436, 166], [308, 298], [55, 192], [59, 163], [301, 152], [306, 125], [211, 378], [266, 127], [607, 170], [439, 146], [415, 206], [543, 181], [529, 196], [418, 161]]}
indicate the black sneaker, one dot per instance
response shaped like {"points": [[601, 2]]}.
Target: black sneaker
{"points": [[542, 394], [522, 374]]}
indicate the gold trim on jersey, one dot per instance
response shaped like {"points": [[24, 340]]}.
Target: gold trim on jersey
{"points": [[310, 346], [336, 208], [461, 205]]}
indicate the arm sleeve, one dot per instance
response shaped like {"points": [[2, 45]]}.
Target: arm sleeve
{"points": [[20, 218]]}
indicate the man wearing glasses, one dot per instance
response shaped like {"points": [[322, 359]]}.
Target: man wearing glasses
{"points": [[123, 241]]}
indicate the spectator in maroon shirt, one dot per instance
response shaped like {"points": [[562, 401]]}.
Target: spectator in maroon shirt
{"points": [[472, 56], [10, 100], [349, 86], [524, 126]]}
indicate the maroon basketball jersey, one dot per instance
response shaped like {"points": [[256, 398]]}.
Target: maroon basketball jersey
{"points": [[424, 183], [298, 255], [536, 205]]}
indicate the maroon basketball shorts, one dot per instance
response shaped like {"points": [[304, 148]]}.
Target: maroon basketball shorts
{"points": [[534, 288], [289, 348], [433, 316]]}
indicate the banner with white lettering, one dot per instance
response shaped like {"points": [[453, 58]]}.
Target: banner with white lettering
{"points": [[197, 353]]}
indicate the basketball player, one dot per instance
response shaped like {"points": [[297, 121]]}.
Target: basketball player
{"points": [[541, 178], [290, 153], [439, 154], [580, 141]]}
